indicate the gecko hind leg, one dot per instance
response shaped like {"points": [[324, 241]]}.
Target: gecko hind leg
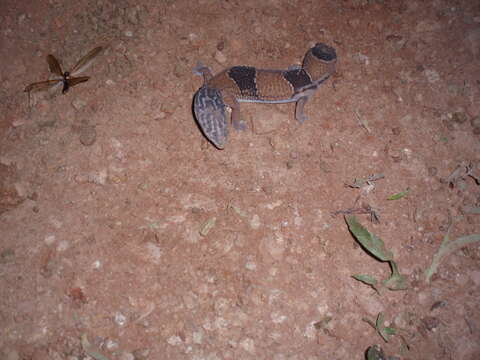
{"points": [[299, 109], [236, 118]]}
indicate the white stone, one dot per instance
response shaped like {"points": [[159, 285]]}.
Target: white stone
{"points": [[278, 318], [475, 276], [197, 337], [50, 239], [154, 251], [275, 245], [248, 345], [220, 57], [63, 245], [432, 76], [174, 340], [120, 319], [255, 222]]}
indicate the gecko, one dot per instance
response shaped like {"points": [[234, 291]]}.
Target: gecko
{"points": [[239, 84]]}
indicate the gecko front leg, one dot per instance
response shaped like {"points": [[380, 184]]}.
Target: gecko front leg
{"points": [[202, 70]]}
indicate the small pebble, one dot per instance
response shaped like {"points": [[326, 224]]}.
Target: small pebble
{"points": [[221, 45], [248, 345], [275, 246], [393, 38], [126, 356], [361, 59], [88, 135], [78, 104], [63, 245], [459, 117], [161, 115], [438, 305], [192, 36], [432, 171], [174, 340], [21, 18], [197, 337], [267, 189], [12, 355], [475, 122], [448, 124], [99, 178], [120, 319], [420, 68], [132, 15], [432, 75], [141, 354], [354, 22], [427, 26], [255, 222], [220, 57], [430, 322], [49, 239], [6, 256]]}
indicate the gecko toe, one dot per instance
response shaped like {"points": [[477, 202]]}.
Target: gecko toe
{"points": [[240, 125]]}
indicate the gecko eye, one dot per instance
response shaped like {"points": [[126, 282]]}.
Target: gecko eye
{"points": [[324, 52]]}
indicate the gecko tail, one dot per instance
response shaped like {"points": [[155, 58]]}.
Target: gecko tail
{"points": [[209, 109]]}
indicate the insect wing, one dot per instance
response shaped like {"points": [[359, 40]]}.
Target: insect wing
{"points": [[86, 61], [42, 85], [54, 65], [72, 81]]}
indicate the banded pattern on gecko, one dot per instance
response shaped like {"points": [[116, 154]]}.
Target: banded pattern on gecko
{"points": [[248, 84]]}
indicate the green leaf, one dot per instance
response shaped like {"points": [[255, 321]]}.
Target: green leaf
{"points": [[448, 247], [367, 279], [374, 245], [396, 281], [207, 226], [88, 349], [399, 195], [379, 321], [385, 332], [322, 324], [369, 322]]}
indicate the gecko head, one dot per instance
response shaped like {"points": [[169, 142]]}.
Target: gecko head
{"points": [[324, 52]]}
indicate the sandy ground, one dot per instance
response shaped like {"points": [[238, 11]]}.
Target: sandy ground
{"points": [[125, 234]]}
